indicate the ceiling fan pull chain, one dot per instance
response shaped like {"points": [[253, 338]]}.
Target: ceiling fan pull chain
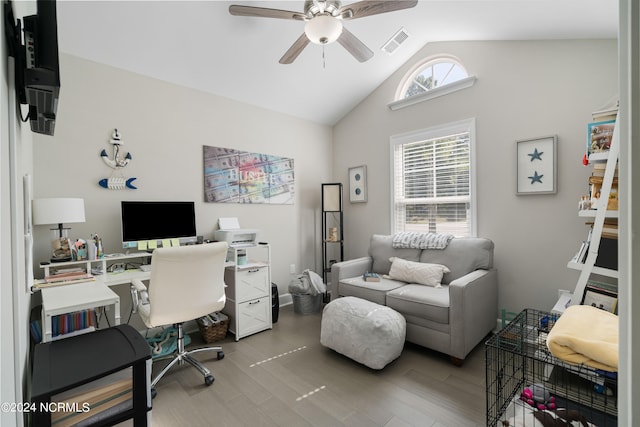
{"points": [[323, 61]]}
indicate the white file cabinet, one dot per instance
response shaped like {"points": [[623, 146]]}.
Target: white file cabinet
{"points": [[248, 290]]}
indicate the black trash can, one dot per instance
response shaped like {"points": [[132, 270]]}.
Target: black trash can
{"points": [[275, 303]]}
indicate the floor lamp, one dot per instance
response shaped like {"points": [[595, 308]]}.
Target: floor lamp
{"points": [[58, 211]]}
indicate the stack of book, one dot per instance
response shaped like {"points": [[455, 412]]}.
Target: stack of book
{"points": [[64, 277]]}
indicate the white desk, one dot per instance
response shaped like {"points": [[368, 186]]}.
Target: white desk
{"points": [[85, 295], [64, 299], [79, 296]]}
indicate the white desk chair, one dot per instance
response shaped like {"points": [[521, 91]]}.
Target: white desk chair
{"points": [[187, 282]]}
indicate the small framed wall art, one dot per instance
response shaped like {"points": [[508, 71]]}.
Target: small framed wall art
{"points": [[358, 184], [536, 165]]}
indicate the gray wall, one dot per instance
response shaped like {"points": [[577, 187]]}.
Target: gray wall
{"points": [[524, 90], [164, 127]]}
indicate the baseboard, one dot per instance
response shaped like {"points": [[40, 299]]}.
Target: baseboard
{"points": [[285, 299]]}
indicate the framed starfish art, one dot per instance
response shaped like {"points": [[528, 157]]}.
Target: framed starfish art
{"points": [[536, 165]]}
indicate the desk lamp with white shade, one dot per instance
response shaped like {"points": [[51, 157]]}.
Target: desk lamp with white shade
{"points": [[59, 211]]}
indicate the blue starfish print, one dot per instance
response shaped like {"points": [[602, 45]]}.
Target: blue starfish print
{"points": [[535, 178], [536, 155]]}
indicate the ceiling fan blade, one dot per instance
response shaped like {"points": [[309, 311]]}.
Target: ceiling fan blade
{"points": [[296, 48], [263, 12], [354, 46], [368, 8]]}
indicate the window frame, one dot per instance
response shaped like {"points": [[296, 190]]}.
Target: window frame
{"points": [[400, 101], [438, 131]]}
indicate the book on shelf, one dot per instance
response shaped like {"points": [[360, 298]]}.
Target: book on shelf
{"points": [[371, 277], [606, 114], [609, 228], [89, 404], [599, 168], [62, 324], [599, 136], [63, 279]]}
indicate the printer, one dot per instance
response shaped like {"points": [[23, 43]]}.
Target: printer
{"points": [[237, 237]]}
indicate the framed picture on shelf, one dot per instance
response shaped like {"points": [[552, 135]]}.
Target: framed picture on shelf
{"points": [[358, 184], [536, 165], [600, 298]]}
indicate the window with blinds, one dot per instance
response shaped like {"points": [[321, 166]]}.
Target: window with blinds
{"points": [[432, 180]]}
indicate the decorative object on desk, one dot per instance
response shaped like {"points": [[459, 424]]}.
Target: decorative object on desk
{"points": [[234, 176], [536, 165], [117, 163], [94, 250], [358, 184], [59, 211], [79, 250]]}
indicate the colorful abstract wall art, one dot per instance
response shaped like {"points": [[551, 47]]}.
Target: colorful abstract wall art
{"points": [[234, 176]]}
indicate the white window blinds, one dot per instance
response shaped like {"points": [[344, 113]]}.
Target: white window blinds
{"points": [[432, 181]]}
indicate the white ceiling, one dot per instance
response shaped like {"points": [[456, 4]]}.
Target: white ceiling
{"points": [[200, 45]]}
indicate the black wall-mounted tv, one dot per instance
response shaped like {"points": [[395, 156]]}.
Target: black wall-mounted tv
{"points": [[34, 46], [157, 220]]}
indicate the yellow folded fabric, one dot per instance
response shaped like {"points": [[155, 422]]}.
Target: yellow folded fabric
{"points": [[585, 334]]}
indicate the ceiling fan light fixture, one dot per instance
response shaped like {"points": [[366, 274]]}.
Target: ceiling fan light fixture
{"points": [[323, 29]]}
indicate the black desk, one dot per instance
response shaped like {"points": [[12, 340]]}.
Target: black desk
{"points": [[63, 365]]}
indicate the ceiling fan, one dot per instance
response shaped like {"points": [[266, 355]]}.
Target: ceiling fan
{"points": [[324, 23]]}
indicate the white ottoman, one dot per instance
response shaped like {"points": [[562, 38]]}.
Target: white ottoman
{"points": [[366, 332]]}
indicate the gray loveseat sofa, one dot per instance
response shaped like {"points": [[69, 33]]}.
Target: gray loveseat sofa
{"points": [[451, 319]]}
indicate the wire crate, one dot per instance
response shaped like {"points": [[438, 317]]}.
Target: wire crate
{"points": [[517, 357]]}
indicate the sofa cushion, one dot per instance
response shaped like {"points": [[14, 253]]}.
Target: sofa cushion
{"points": [[463, 255], [422, 273], [421, 301], [371, 291], [381, 249]]}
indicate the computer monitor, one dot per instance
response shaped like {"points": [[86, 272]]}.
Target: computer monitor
{"points": [[157, 220]]}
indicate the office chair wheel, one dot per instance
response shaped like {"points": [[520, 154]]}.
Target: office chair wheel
{"points": [[208, 380], [220, 355]]}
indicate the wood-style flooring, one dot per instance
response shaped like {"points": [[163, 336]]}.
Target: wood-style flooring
{"points": [[285, 377]]}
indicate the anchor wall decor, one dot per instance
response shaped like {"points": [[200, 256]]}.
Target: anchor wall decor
{"points": [[117, 163]]}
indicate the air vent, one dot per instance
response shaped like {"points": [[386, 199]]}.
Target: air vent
{"points": [[394, 42]]}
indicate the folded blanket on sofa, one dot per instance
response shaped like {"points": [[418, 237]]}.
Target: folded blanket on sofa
{"points": [[586, 335], [420, 240]]}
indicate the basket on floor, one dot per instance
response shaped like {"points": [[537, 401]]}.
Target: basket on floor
{"points": [[213, 327], [306, 304]]}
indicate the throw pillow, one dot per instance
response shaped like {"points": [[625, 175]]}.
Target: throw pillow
{"points": [[417, 272]]}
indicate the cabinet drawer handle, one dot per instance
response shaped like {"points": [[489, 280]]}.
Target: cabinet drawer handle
{"points": [[254, 270], [254, 302]]}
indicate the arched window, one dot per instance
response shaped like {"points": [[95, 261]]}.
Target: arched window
{"points": [[433, 77]]}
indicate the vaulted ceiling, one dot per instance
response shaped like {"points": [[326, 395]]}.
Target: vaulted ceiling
{"points": [[200, 45]]}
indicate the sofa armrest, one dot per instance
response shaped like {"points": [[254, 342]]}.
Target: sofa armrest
{"points": [[345, 269], [473, 309]]}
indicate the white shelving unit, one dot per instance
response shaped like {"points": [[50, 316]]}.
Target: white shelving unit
{"points": [[248, 290], [89, 264], [599, 215]]}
